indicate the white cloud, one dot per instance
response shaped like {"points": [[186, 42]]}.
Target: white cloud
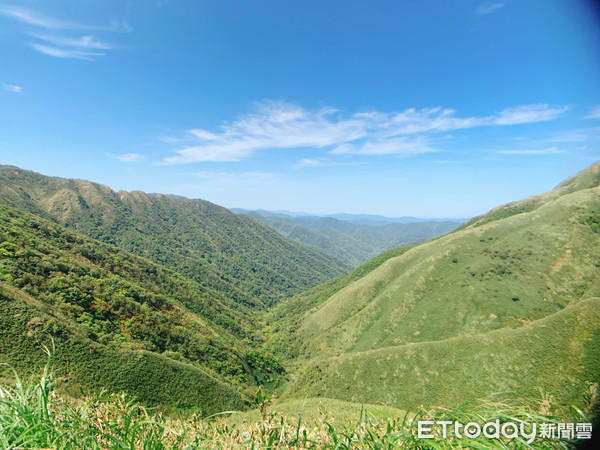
{"points": [[569, 137], [55, 36], [204, 135], [307, 162], [594, 113], [273, 125], [116, 26], [325, 162], [127, 157], [83, 42], [33, 18], [548, 151], [446, 161], [395, 146], [36, 19], [65, 53], [488, 8], [527, 114], [284, 126], [12, 88], [257, 175]]}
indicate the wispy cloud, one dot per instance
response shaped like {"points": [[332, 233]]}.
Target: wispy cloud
{"points": [[84, 47], [324, 162], [54, 37], [446, 161], [65, 53], [594, 113], [36, 19], [257, 175], [527, 114], [394, 146], [569, 137], [83, 42], [308, 162], [281, 125], [547, 151], [33, 18], [12, 88], [127, 157], [489, 8], [273, 125]]}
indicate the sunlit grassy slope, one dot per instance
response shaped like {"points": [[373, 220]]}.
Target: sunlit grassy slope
{"points": [[510, 303], [310, 410]]}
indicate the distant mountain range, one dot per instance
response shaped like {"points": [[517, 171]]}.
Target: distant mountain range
{"points": [[363, 219], [352, 238]]}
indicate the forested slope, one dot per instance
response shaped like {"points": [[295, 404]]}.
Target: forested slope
{"points": [[120, 321], [228, 253]]}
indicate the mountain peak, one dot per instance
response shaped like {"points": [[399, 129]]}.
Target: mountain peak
{"points": [[586, 179]]}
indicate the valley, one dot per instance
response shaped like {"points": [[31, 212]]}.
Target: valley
{"points": [[182, 303]]}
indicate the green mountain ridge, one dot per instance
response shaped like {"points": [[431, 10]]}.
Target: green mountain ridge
{"points": [[586, 179], [228, 253], [404, 333]]}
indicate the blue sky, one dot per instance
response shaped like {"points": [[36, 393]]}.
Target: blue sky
{"points": [[428, 108]]}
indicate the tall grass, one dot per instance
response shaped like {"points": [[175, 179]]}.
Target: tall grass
{"points": [[33, 415], [25, 416]]}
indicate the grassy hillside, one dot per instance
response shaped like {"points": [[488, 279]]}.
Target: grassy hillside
{"points": [[353, 243], [224, 252], [509, 303], [586, 179], [33, 416], [284, 319], [120, 321]]}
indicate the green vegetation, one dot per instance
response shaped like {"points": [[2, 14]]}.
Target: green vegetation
{"points": [[593, 220], [352, 242], [283, 320], [226, 253], [32, 415], [586, 179], [506, 304], [122, 322]]}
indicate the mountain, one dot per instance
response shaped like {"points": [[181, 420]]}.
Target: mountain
{"points": [[266, 213], [121, 322], [350, 241], [509, 303], [363, 219], [227, 253], [374, 219]]}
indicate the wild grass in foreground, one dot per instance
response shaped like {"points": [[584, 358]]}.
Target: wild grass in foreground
{"points": [[33, 415]]}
